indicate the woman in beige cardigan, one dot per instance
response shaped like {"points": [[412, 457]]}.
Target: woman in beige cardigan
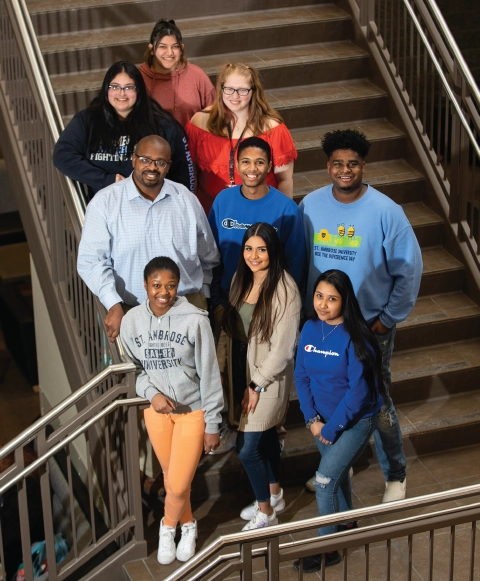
{"points": [[261, 322]]}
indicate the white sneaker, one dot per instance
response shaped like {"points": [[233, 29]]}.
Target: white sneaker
{"points": [[186, 546], [228, 440], [276, 501], [310, 484], [261, 520], [395, 490], [166, 544]]}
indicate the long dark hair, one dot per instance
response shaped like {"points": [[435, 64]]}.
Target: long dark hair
{"points": [[143, 120], [263, 317], [364, 342]]}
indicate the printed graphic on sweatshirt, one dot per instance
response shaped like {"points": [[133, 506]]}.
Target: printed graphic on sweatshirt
{"points": [[341, 245], [120, 152], [313, 349], [159, 351]]}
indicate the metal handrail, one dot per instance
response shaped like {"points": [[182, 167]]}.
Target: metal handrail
{"points": [[441, 74], [80, 430], [45, 93], [258, 535], [60, 408], [451, 43]]}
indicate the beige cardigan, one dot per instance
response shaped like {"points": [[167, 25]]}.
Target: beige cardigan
{"points": [[269, 365]]}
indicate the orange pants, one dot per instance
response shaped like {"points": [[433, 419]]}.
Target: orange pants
{"points": [[177, 440]]}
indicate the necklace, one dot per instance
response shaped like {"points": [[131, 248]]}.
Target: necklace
{"points": [[325, 336]]}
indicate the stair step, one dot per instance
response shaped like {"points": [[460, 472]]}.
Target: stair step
{"points": [[98, 48], [428, 226], [11, 229], [386, 140], [50, 17], [382, 175], [441, 271], [439, 319]]}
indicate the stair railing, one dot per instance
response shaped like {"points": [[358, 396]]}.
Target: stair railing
{"points": [[434, 86], [52, 207], [104, 515], [271, 548]]}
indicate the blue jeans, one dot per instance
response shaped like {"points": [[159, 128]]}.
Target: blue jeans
{"points": [[388, 436], [332, 484], [259, 453]]}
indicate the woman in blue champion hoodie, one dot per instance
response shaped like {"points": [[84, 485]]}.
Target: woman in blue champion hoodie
{"points": [[173, 342], [339, 383]]}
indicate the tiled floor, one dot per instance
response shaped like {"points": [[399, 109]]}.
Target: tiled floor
{"points": [[426, 475]]}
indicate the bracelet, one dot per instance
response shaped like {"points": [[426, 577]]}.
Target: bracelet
{"points": [[317, 418]]}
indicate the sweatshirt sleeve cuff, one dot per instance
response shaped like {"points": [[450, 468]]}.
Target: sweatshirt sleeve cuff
{"points": [[212, 428], [151, 392], [386, 320], [328, 433]]}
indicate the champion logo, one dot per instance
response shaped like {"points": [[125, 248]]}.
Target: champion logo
{"points": [[313, 349], [230, 223]]}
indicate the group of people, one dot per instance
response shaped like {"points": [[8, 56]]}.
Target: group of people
{"points": [[207, 269]]}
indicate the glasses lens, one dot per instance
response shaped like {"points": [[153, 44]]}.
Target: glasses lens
{"points": [[243, 92], [228, 90]]}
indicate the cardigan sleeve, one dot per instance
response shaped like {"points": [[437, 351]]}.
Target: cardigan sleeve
{"points": [[284, 336]]}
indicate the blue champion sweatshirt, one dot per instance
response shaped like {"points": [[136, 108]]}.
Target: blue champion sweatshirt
{"points": [[329, 379], [232, 214]]}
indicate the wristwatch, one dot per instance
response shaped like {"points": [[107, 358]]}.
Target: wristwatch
{"points": [[256, 388]]}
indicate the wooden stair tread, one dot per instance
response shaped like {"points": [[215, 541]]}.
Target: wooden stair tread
{"points": [[437, 259], [374, 130], [190, 27], [261, 59], [442, 307], [413, 363]]}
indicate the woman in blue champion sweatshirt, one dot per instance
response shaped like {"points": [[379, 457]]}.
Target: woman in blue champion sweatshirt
{"points": [[339, 383]]}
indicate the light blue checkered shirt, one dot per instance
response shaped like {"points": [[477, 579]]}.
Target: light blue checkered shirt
{"points": [[123, 231]]}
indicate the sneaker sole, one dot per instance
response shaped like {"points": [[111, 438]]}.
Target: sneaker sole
{"points": [[279, 508]]}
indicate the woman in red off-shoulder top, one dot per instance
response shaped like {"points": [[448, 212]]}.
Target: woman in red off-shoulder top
{"points": [[241, 110]]}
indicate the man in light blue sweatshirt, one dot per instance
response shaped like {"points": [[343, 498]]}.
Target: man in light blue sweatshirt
{"points": [[353, 227]]}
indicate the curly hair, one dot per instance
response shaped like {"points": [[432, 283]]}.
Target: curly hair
{"points": [[260, 112], [345, 139]]}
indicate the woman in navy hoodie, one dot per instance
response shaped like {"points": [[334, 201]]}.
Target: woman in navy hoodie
{"points": [[339, 383], [97, 146]]}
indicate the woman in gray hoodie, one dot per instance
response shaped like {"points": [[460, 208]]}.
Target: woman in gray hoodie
{"points": [[173, 342]]}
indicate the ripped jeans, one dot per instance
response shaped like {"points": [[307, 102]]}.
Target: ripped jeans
{"points": [[332, 486], [388, 435]]}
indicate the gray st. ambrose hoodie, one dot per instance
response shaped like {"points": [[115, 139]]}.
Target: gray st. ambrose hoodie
{"points": [[178, 359]]}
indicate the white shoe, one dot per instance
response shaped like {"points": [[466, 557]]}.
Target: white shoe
{"points": [[310, 484], [395, 490], [261, 520], [186, 546], [276, 501], [166, 544], [228, 440]]}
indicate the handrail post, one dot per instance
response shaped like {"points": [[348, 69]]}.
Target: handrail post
{"points": [[133, 460]]}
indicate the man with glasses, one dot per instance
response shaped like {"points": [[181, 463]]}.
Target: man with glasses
{"points": [[134, 220]]}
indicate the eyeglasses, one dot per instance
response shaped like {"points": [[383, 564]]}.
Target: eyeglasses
{"points": [[128, 89], [240, 92], [147, 161]]}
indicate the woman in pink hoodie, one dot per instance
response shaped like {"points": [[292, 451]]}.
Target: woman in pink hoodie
{"points": [[178, 86]]}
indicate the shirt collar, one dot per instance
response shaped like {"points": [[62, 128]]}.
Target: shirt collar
{"points": [[132, 190]]}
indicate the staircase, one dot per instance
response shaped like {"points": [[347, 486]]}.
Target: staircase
{"points": [[319, 78]]}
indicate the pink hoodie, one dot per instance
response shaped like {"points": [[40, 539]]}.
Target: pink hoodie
{"points": [[182, 93]]}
